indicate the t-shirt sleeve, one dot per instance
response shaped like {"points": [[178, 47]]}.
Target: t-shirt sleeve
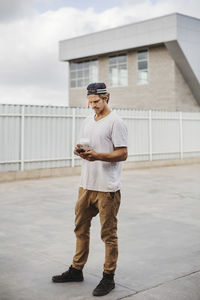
{"points": [[119, 134]]}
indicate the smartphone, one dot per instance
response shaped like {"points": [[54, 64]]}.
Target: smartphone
{"points": [[80, 150]]}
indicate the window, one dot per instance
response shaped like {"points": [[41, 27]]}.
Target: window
{"points": [[81, 74], [142, 67], [118, 75]]}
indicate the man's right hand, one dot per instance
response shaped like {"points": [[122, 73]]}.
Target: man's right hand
{"points": [[78, 146]]}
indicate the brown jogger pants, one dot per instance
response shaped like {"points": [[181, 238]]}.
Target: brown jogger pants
{"points": [[89, 204]]}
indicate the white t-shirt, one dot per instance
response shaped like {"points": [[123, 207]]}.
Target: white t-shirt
{"points": [[104, 135]]}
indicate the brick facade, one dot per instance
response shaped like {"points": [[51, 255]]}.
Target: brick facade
{"points": [[166, 89]]}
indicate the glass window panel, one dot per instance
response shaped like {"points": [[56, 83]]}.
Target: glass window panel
{"points": [[80, 66], [142, 55], [112, 60], [142, 77], [73, 83], [93, 63], [73, 75], [122, 67], [80, 83], [111, 81], [93, 73], [73, 66], [118, 75], [86, 73], [123, 78], [142, 65], [110, 76], [83, 73], [86, 81], [122, 59], [80, 74], [93, 69], [114, 76], [83, 66]]}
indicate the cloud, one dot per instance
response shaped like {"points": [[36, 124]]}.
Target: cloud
{"points": [[15, 9], [29, 67], [155, 8]]}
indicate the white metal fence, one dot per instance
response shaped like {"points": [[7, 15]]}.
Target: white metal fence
{"points": [[33, 137]]}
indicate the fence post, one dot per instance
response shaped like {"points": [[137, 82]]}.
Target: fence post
{"points": [[73, 134], [22, 139], [150, 135], [181, 134]]}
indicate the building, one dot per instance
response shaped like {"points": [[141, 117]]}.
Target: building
{"points": [[153, 64]]}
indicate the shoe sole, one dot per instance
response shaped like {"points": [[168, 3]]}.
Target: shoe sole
{"points": [[62, 281]]}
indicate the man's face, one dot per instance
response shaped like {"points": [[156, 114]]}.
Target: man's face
{"points": [[96, 103]]}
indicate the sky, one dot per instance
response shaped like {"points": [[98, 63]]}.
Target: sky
{"points": [[30, 70]]}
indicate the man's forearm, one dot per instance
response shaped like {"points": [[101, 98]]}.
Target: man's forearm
{"points": [[114, 156]]}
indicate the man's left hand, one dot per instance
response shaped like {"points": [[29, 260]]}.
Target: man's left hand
{"points": [[90, 155]]}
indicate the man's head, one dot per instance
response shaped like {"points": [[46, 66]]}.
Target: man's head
{"points": [[97, 95]]}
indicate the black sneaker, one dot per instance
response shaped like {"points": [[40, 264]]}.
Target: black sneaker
{"points": [[72, 275], [105, 285]]}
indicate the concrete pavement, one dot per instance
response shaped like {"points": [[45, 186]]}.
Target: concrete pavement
{"points": [[159, 238]]}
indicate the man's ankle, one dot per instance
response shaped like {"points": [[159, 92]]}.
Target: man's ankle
{"points": [[108, 276], [76, 269]]}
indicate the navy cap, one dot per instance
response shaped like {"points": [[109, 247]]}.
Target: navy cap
{"points": [[96, 88]]}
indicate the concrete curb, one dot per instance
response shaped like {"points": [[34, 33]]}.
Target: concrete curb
{"points": [[8, 176], [160, 163]]}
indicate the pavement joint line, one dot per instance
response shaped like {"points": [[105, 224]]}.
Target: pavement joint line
{"points": [[159, 284], [124, 286], [127, 296], [194, 272]]}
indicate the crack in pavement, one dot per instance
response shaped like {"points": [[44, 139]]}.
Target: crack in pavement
{"points": [[158, 285]]}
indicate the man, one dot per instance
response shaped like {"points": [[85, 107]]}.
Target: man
{"points": [[99, 190]]}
